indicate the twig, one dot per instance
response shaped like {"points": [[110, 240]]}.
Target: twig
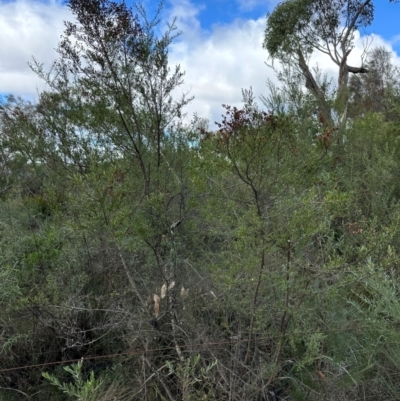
{"points": [[131, 282], [18, 391]]}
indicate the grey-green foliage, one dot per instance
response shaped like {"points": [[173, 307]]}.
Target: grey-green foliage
{"points": [[9, 290], [300, 24], [193, 378], [286, 26], [79, 389]]}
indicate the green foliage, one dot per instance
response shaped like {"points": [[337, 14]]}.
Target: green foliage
{"points": [[377, 91], [299, 24], [286, 25], [193, 378], [260, 260], [79, 389]]}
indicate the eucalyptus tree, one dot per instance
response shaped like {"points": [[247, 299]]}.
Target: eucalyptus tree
{"points": [[298, 28]]}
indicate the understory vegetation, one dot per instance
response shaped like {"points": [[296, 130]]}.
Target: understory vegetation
{"points": [[142, 258]]}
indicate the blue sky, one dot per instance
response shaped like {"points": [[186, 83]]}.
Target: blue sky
{"points": [[225, 11], [217, 12], [385, 24], [220, 48]]}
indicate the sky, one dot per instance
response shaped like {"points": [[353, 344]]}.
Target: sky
{"points": [[220, 47]]}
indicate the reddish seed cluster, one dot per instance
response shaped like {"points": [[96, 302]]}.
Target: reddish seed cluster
{"points": [[236, 122], [326, 137]]}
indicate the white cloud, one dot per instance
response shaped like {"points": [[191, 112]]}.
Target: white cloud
{"points": [[218, 65], [28, 28], [186, 15], [249, 5]]}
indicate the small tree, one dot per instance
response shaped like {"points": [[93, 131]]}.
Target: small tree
{"points": [[115, 71]]}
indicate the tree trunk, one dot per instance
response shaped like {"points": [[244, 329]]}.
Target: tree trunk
{"points": [[312, 85]]}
